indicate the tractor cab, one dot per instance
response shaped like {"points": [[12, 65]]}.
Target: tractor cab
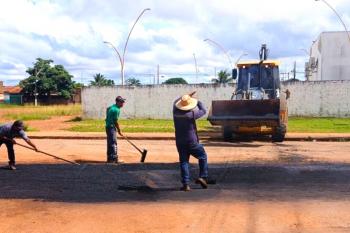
{"points": [[257, 80]]}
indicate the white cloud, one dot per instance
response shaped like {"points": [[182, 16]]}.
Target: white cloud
{"points": [[72, 33]]}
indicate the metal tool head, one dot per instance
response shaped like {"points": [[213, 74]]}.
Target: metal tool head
{"points": [[143, 156]]}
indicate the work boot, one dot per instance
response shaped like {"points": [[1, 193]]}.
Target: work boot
{"points": [[202, 182], [110, 160], [210, 180], [185, 188], [12, 166]]}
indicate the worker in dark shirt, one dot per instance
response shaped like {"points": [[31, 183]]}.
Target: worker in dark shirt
{"points": [[185, 112], [7, 134]]}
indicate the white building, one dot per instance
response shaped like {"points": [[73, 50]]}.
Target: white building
{"points": [[329, 57]]}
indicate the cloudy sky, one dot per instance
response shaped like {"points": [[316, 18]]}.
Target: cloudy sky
{"points": [[71, 32]]}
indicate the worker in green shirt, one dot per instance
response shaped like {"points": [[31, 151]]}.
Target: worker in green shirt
{"points": [[112, 116]]}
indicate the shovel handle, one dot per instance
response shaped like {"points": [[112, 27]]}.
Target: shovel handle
{"points": [[132, 144]]}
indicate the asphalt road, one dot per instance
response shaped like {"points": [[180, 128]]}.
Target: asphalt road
{"points": [[262, 187]]}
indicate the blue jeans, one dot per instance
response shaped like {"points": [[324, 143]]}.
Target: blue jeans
{"points": [[196, 150], [10, 151], [111, 144]]}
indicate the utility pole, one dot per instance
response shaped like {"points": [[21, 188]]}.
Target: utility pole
{"points": [[294, 70], [36, 90], [158, 74]]}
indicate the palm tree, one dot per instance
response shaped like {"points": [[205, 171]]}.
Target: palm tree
{"points": [[223, 77], [100, 80]]}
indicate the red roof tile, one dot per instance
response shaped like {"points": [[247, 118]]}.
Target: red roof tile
{"points": [[12, 89]]}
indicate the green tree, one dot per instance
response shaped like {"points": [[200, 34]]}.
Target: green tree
{"points": [[101, 81], [175, 81], [223, 77], [78, 85], [46, 79], [133, 82]]}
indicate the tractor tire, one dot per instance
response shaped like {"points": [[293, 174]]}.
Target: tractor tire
{"points": [[279, 134], [227, 133]]}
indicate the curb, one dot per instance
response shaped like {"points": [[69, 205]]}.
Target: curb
{"points": [[101, 137], [214, 138]]}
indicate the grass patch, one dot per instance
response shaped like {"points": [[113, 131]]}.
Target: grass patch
{"points": [[3, 105], [30, 129], [26, 117], [319, 125], [296, 124], [134, 126], [30, 112]]}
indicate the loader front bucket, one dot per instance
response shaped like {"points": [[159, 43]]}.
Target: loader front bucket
{"points": [[245, 112]]}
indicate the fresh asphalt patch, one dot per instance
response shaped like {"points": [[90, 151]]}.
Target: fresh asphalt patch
{"points": [[161, 181]]}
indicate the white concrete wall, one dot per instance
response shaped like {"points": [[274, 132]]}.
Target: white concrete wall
{"points": [[328, 98], [319, 99], [147, 101]]}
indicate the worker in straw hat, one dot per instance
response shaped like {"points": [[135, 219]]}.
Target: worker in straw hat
{"points": [[186, 110]]}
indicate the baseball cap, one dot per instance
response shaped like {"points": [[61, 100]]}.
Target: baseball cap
{"points": [[120, 99], [18, 124]]}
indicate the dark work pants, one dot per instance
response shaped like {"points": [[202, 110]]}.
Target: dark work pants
{"points": [[10, 151], [111, 143], [196, 150]]}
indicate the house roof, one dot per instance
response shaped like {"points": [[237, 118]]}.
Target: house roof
{"points": [[12, 89]]}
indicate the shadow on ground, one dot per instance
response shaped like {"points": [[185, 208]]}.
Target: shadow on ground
{"points": [[94, 183]]}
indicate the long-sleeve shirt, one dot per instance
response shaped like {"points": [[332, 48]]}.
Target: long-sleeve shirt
{"points": [[185, 124]]}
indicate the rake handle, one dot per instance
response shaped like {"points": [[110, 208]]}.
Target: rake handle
{"points": [[45, 153]]}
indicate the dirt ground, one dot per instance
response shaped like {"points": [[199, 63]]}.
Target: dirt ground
{"points": [[262, 187], [57, 123]]}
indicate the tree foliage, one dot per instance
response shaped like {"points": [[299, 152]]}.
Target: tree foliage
{"points": [[223, 77], [175, 81], [46, 79], [101, 81], [133, 82], [78, 85]]}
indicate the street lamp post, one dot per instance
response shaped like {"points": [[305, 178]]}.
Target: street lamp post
{"points": [[195, 65], [222, 49], [332, 8], [239, 58], [122, 57], [121, 60]]}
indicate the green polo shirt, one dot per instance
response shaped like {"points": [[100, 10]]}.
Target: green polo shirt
{"points": [[112, 115]]}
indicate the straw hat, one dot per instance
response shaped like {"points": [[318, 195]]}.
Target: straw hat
{"points": [[186, 103]]}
